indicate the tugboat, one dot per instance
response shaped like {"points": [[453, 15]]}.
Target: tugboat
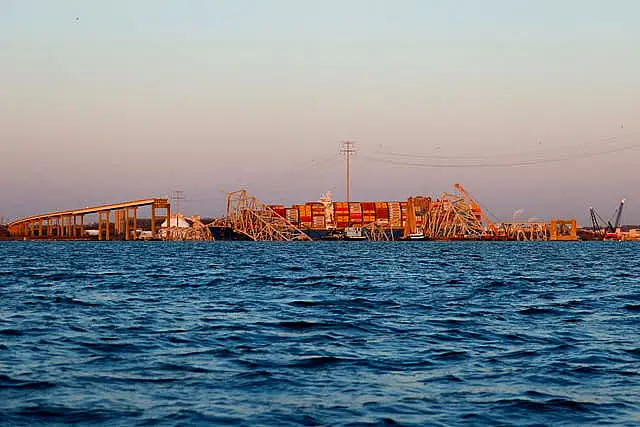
{"points": [[354, 233], [417, 235], [333, 234]]}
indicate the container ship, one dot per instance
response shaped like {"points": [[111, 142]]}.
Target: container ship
{"points": [[329, 220], [449, 217]]}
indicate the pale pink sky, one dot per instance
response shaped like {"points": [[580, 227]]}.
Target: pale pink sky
{"points": [[135, 101]]}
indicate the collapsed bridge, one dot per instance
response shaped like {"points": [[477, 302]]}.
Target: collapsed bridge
{"points": [[71, 224]]}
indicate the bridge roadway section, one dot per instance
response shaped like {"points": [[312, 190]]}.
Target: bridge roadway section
{"points": [[70, 224]]}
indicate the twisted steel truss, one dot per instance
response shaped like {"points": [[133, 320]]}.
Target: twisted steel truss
{"points": [[254, 219], [377, 232], [453, 218], [525, 230]]}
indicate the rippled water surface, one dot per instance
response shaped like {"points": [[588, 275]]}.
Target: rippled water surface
{"points": [[336, 333]]}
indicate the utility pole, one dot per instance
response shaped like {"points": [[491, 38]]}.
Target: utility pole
{"points": [[348, 148], [177, 196]]}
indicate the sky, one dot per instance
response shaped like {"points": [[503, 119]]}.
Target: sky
{"points": [[532, 106]]}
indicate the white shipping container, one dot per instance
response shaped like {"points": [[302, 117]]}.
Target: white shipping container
{"points": [[291, 215]]}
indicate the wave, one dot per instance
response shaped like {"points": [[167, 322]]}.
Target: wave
{"points": [[435, 333]]}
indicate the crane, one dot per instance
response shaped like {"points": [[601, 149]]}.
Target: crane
{"points": [[619, 214], [610, 231], [597, 230]]}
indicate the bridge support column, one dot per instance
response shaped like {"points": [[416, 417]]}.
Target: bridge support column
{"points": [[116, 222], [127, 231], [134, 217], [74, 226], [78, 221], [153, 221], [130, 229], [100, 226], [108, 236], [160, 204], [66, 226], [104, 220]]}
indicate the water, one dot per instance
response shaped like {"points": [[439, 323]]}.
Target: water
{"points": [[336, 333]]}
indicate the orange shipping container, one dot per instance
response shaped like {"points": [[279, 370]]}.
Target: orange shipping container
{"points": [[318, 222]]}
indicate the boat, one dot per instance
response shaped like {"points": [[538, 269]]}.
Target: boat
{"points": [[416, 235], [354, 233]]}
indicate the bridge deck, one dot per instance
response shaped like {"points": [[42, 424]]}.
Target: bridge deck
{"points": [[67, 224]]}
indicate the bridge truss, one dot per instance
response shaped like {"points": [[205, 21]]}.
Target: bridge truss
{"points": [[249, 216]]}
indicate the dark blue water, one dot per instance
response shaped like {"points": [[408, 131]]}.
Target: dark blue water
{"points": [[336, 333]]}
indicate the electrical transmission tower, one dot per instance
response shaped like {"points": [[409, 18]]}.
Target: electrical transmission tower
{"points": [[177, 196], [348, 148]]}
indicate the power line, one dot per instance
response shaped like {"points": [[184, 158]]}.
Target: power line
{"points": [[566, 150], [480, 164]]}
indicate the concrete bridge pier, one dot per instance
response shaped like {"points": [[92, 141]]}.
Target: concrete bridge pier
{"points": [[104, 222]]}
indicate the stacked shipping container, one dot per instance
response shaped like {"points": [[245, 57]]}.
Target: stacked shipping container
{"points": [[355, 213], [403, 213], [382, 213], [341, 214], [395, 215], [317, 216], [368, 212], [312, 214], [291, 214], [304, 216]]}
